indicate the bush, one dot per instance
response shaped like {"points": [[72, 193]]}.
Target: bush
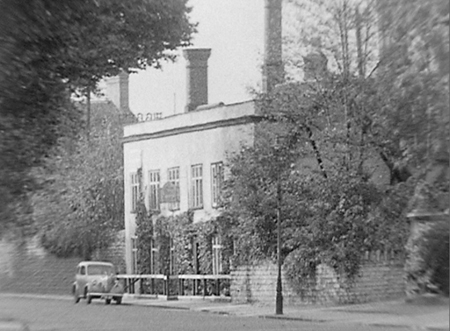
{"points": [[434, 250]]}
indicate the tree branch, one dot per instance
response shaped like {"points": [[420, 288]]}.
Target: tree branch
{"points": [[316, 151]]}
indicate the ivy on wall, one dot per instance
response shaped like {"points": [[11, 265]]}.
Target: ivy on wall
{"points": [[144, 232], [175, 239]]}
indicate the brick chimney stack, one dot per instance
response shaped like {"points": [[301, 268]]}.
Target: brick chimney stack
{"points": [[273, 70], [117, 90], [196, 77]]}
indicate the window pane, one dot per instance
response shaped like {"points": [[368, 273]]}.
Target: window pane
{"points": [[197, 189], [174, 178], [154, 189], [216, 182], [134, 191]]}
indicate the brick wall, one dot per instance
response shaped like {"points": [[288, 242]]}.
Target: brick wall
{"points": [[381, 278], [28, 268]]}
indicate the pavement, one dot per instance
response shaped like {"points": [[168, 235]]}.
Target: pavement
{"points": [[423, 313]]}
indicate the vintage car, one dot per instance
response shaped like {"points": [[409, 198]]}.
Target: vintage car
{"points": [[95, 279]]}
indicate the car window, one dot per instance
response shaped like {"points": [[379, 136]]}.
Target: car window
{"points": [[100, 270], [83, 270]]}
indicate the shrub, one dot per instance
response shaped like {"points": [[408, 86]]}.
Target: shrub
{"points": [[434, 250]]}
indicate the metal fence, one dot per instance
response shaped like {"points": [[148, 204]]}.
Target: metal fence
{"points": [[177, 285]]}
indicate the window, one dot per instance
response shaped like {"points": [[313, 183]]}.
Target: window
{"points": [[217, 255], [83, 270], [100, 270], [216, 182], [197, 186], [153, 197], [134, 191], [174, 178]]}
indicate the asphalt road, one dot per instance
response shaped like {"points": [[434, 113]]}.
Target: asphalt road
{"points": [[55, 315]]}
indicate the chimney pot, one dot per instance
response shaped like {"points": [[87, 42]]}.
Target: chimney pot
{"points": [[196, 77]]}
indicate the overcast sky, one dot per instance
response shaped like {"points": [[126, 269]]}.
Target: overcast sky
{"points": [[233, 29]]}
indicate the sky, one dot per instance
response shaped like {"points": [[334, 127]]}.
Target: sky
{"points": [[234, 30]]}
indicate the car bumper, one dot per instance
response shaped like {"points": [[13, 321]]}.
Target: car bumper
{"points": [[103, 295]]}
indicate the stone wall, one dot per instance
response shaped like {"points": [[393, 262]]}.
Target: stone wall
{"points": [[381, 278], [114, 254], [28, 268]]}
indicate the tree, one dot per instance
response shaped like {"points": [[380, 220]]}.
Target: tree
{"points": [[79, 206], [398, 51], [414, 67], [330, 214], [52, 48], [363, 109]]}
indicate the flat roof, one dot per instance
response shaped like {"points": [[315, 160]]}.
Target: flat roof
{"points": [[204, 118]]}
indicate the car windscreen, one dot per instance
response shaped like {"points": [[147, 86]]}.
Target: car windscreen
{"points": [[100, 270]]}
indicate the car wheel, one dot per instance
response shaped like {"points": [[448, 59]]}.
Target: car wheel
{"points": [[108, 301], [118, 300]]}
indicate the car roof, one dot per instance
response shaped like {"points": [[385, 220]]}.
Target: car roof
{"points": [[87, 263]]}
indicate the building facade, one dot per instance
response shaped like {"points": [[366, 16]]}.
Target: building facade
{"points": [[186, 152]]}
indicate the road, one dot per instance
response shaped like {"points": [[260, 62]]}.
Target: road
{"points": [[55, 315]]}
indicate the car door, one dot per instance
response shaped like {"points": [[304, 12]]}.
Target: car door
{"points": [[82, 278]]}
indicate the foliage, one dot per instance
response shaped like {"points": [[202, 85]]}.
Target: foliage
{"points": [[399, 52], [332, 220], [52, 48], [203, 233], [434, 251], [176, 236], [144, 233], [84, 41], [344, 30], [341, 147], [79, 206], [427, 264]]}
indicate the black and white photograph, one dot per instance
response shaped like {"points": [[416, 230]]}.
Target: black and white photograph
{"points": [[224, 165]]}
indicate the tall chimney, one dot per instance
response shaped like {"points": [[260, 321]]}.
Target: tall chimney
{"points": [[117, 90], [196, 77], [273, 71]]}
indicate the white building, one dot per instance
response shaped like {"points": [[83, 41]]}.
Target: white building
{"points": [[187, 150]]}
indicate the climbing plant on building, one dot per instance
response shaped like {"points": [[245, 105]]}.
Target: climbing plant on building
{"points": [[173, 239]]}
